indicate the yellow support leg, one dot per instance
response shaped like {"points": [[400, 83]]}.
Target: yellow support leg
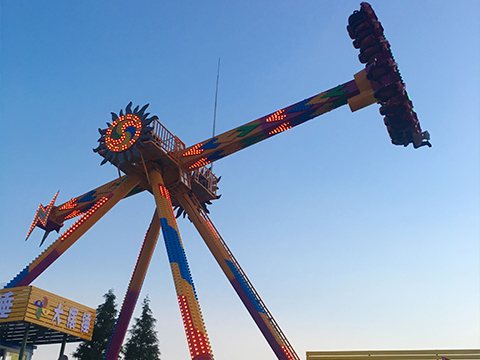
{"points": [[195, 330]]}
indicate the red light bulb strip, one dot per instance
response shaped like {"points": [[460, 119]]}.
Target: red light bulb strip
{"points": [[164, 192], [73, 214], [284, 127], [69, 204], [198, 342], [276, 116], [194, 150], [287, 352], [42, 215], [202, 162], [80, 221], [123, 143]]}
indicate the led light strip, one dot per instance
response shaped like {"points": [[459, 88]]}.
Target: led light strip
{"points": [[69, 204], [73, 214], [114, 144], [84, 218], [200, 163], [276, 116], [46, 211], [197, 341], [194, 150], [164, 192], [281, 128], [287, 352]]}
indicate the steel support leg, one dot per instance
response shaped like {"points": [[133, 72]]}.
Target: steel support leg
{"points": [[187, 299], [133, 291], [245, 290]]}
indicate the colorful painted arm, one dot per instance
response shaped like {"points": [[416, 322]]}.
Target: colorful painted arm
{"points": [[194, 325], [231, 141], [69, 237], [250, 298], [52, 217], [379, 82], [133, 291]]}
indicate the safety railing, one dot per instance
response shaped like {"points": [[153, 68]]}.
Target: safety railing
{"points": [[173, 147], [206, 178], [168, 142]]}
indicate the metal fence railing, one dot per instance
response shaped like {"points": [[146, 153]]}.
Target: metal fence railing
{"points": [[169, 143]]}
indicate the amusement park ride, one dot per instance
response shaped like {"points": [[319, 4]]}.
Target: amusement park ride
{"points": [[154, 160]]}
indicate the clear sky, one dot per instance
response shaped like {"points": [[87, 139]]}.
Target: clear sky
{"points": [[352, 243]]}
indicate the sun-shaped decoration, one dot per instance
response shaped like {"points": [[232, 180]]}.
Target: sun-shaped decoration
{"points": [[120, 140]]}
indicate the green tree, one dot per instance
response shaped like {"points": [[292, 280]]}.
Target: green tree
{"points": [[143, 343], [102, 331]]}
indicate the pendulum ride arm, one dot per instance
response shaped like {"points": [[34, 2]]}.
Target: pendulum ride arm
{"points": [[134, 287], [195, 330], [255, 306], [72, 234], [267, 126], [379, 82]]}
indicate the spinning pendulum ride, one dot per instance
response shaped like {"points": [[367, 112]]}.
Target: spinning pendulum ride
{"points": [[177, 176]]}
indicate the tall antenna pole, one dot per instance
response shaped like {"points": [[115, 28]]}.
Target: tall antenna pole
{"points": [[216, 97], [215, 109]]}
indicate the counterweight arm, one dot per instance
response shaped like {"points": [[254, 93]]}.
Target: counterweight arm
{"points": [[72, 234], [52, 217]]}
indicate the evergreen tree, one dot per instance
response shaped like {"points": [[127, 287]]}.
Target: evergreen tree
{"points": [[102, 331], [143, 343]]}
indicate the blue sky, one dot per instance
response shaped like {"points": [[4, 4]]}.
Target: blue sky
{"points": [[353, 243]]}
